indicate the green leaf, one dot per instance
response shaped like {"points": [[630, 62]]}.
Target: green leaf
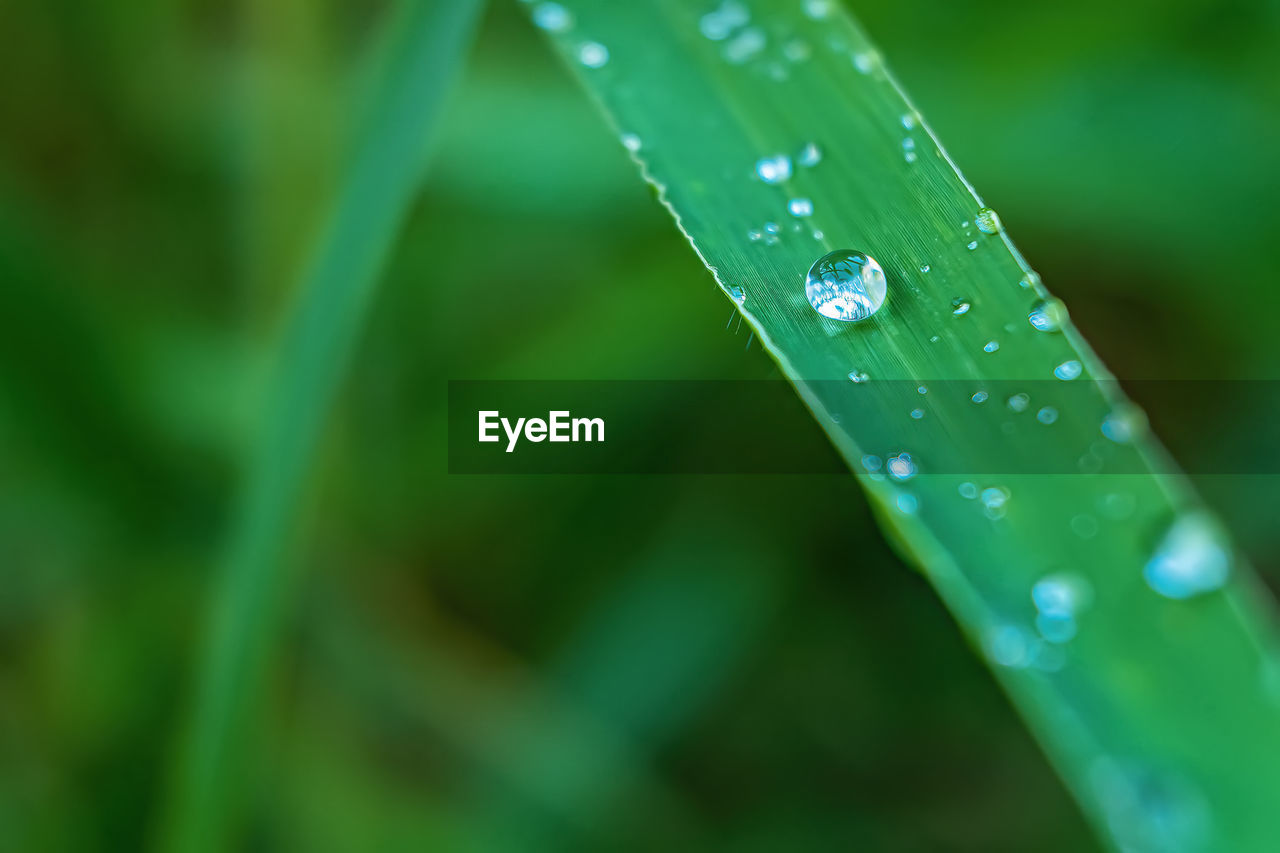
{"points": [[1161, 714], [423, 45]]}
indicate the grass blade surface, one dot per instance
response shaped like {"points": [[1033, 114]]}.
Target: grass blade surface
{"points": [[1159, 712]]}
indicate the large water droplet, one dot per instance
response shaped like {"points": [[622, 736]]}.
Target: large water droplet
{"points": [[845, 285], [994, 499], [1124, 423], [774, 169], [960, 305], [901, 467], [1048, 315], [988, 221], [1068, 370], [1192, 558]]}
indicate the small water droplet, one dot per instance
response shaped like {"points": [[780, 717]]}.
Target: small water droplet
{"points": [[973, 245], [872, 463], [845, 285], [901, 467], [908, 121], [771, 228], [865, 61], [922, 389], [1124, 423], [755, 234], [1030, 281], [1009, 645], [818, 235], [737, 294], [991, 346], [1061, 594], [817, 9], [908, 503], [1048, 315], [552, 17], [908, 144], [979, 397], [719, 23], [909, 156], [775, 169], [1068, 370], [593, 54], [800, 207], [1018, 402], [810, 155], [917, 413], [925, 268], [960, 305], [968, 491], [631, 142], [858, 376], [1192, 558], [744, 46], [994, 500], [1047, 415], [988, 221]]}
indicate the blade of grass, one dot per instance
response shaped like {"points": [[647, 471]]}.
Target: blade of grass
{"points": [[423, 47], [1161, 715]]}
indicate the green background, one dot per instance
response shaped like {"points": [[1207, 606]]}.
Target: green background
{"points": [[736, 662]]}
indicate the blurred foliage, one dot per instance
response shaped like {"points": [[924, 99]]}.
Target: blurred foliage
{"points": [[543, 662]]}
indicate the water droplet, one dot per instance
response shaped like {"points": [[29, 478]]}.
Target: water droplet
{"points": [[1061, 594], [810, 155], [796, 50], [908, 503], [968, 491], [988, 221], [1018, 402], [818, 234], [908, 121], [858, 376], [908, 144], [1068, 370], [744, 45], [991, 346], [994, 500], [719, 23], [865, 61], [1048, 315], [1047, 415], [774, 169], [800, 207], [979, 397], [593, 54], [909, 156], [737, 294], [845, 285], [1056, 628], [1030, 281], [1009, 645], [631, 142], [1084, 526], [1124, 423], [552, 17], [901, 467], [922, 389], [917, 413], [872, 463], [925, 268], [771, 228], [960, 306], [755, 234], [973, 245], [817, 9], [1192, 558]]}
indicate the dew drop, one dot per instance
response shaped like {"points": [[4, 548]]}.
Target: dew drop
{"points": [[744, 45], [593, 54], [968, 491], [737, 294], [818, 235], [917, 414], [922, 389], [1192, 558], [1018, 402], [771, 228], [858, 376], [1009, 645], [1061, 594], [552, 17], [845, 285], [774, 169], [1048, 315], [979, 397], [908, 121], [1047, 415], [991, 346], [1068, 370], [810, 155], [1030, 281], [901, 467], [988, 221], [994, 500], [800, 207], [719, 23], [872, 463], [865, 61], [797, 50], [925, 268], [631, 142], [973, 245], [960, 306], [1124, 423], [908, 503], [817, 9]]}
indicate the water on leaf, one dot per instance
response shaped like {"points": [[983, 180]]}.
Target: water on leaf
{"points": [[845, 285], [1192, 558]]}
